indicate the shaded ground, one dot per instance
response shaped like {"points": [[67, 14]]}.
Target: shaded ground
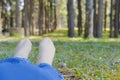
{"points": [[77, 58]]}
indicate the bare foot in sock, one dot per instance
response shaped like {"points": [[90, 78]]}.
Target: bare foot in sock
{"points": [[46, 51], [23, 48]]}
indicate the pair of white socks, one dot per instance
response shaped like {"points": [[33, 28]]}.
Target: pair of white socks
{"points": [[46, 50]]}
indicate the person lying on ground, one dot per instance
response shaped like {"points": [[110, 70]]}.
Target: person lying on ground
{"points": [[19, 67]]}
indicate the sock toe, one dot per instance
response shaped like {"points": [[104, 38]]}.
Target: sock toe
{"points": [[23, 48]]}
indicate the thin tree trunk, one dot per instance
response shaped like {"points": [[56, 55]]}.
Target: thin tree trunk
{"points": [[116, 18], [119, 18], [0, 24], [105, 16], [23, 13], [46, 17], [89, 19], [26, 21], [111, 19], [79, 18], [3, 17], [51, 14], [31, 29], [100, 18], [17, 14], [11, 15], [0, 27], [55, 15], [70, 8], [41, 20], [95, 19]]}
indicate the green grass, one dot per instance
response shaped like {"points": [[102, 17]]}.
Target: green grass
{"points": [[91, 59]]}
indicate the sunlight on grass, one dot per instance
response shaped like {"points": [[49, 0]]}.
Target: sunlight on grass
{"points": [[61, 34]]}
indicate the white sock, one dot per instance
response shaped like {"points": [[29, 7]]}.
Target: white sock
{"points": [[46, 51], [23, 48]]}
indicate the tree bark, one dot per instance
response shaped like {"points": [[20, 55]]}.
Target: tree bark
{"points": [[31, 27], [89, 19], [26, 21], [70, 9], [111, 19], [0, 24], [55, 15], [0, 20], [3, 17], [116, 18], [119, 18], [79, 18], [0, 27], [11, 14], [95, 19], [100, 18], [51, 15], [17, 14], [41, 20], [105, 15], [46, 17]]}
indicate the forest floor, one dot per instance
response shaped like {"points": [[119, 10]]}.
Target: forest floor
{"points": [[76, 58]]}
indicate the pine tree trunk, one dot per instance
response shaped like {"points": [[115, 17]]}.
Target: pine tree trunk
{"points": [[105, 16], [41, 20], [119, 18], [79, 18], [89, 19], [111, 19], [46, 17], [22, 20], [116, 18], [26, 21], [17, 14], [100, 18], [95, 19], [11, 14], [55, 15], [3, 24], [70, 8], [51, 15], [0, 24], [0, 27], [31, 27], [0, 21]]}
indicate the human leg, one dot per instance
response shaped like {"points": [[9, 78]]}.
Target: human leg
{"points": [[46, 51], [23, 48]]}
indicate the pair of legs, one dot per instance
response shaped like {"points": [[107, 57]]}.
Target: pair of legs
{"points": [[46, 50]]}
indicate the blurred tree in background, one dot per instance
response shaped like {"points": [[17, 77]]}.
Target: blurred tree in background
{"points": [[71, 24], [89, 19], [92, 18]]}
